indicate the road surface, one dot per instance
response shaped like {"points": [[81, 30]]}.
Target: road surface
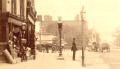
{"points": [[112, 58]]}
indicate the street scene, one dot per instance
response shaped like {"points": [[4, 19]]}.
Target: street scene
{"points": [[59, 34]]}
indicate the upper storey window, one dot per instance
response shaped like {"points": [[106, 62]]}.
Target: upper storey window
{"points": [[13, 7], [22, 8]]}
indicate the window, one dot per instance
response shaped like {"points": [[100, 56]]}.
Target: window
{"points": [[13, 6], [22, 8]]}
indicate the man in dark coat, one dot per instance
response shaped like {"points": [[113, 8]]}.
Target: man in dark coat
{"points": [[74, 48]]}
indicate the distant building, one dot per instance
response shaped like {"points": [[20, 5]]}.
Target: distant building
{"points": [[71, 28], [47, 18], [47, 38]]}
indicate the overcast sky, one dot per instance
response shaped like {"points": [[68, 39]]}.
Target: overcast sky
{"points": [[104, 15]]}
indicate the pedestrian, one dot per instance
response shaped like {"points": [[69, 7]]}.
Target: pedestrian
{"points": [[47, 48], [74, 48], [53, 48]]}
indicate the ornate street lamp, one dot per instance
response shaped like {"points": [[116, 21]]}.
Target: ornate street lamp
{"points": [[60, 35], [82, 36]]}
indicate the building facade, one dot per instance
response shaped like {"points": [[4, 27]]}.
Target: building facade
{"points": [[17, 27]]}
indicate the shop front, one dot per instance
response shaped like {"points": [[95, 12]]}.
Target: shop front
{"points": [[11, 36]]}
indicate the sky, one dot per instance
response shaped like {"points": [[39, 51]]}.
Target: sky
{"points": [[103, 15]]}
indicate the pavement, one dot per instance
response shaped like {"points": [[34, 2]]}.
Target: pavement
{"points": [[51, 61]]}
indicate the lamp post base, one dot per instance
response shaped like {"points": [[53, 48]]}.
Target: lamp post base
{"points": [[60, 54], [83, 63]]}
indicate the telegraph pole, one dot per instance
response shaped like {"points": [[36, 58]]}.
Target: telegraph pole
{"points": [[82, 36]]}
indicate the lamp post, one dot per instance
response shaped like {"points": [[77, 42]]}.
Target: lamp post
{"points": [[60, 35], [82, 36]]}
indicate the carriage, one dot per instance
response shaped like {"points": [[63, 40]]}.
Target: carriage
{"points": [[105, 47], [99, 47]]}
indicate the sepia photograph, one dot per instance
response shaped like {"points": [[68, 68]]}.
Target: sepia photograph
{"points": [[59, 34]]}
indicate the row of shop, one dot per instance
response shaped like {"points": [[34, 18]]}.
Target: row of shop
{"points": [[17, 36]]}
